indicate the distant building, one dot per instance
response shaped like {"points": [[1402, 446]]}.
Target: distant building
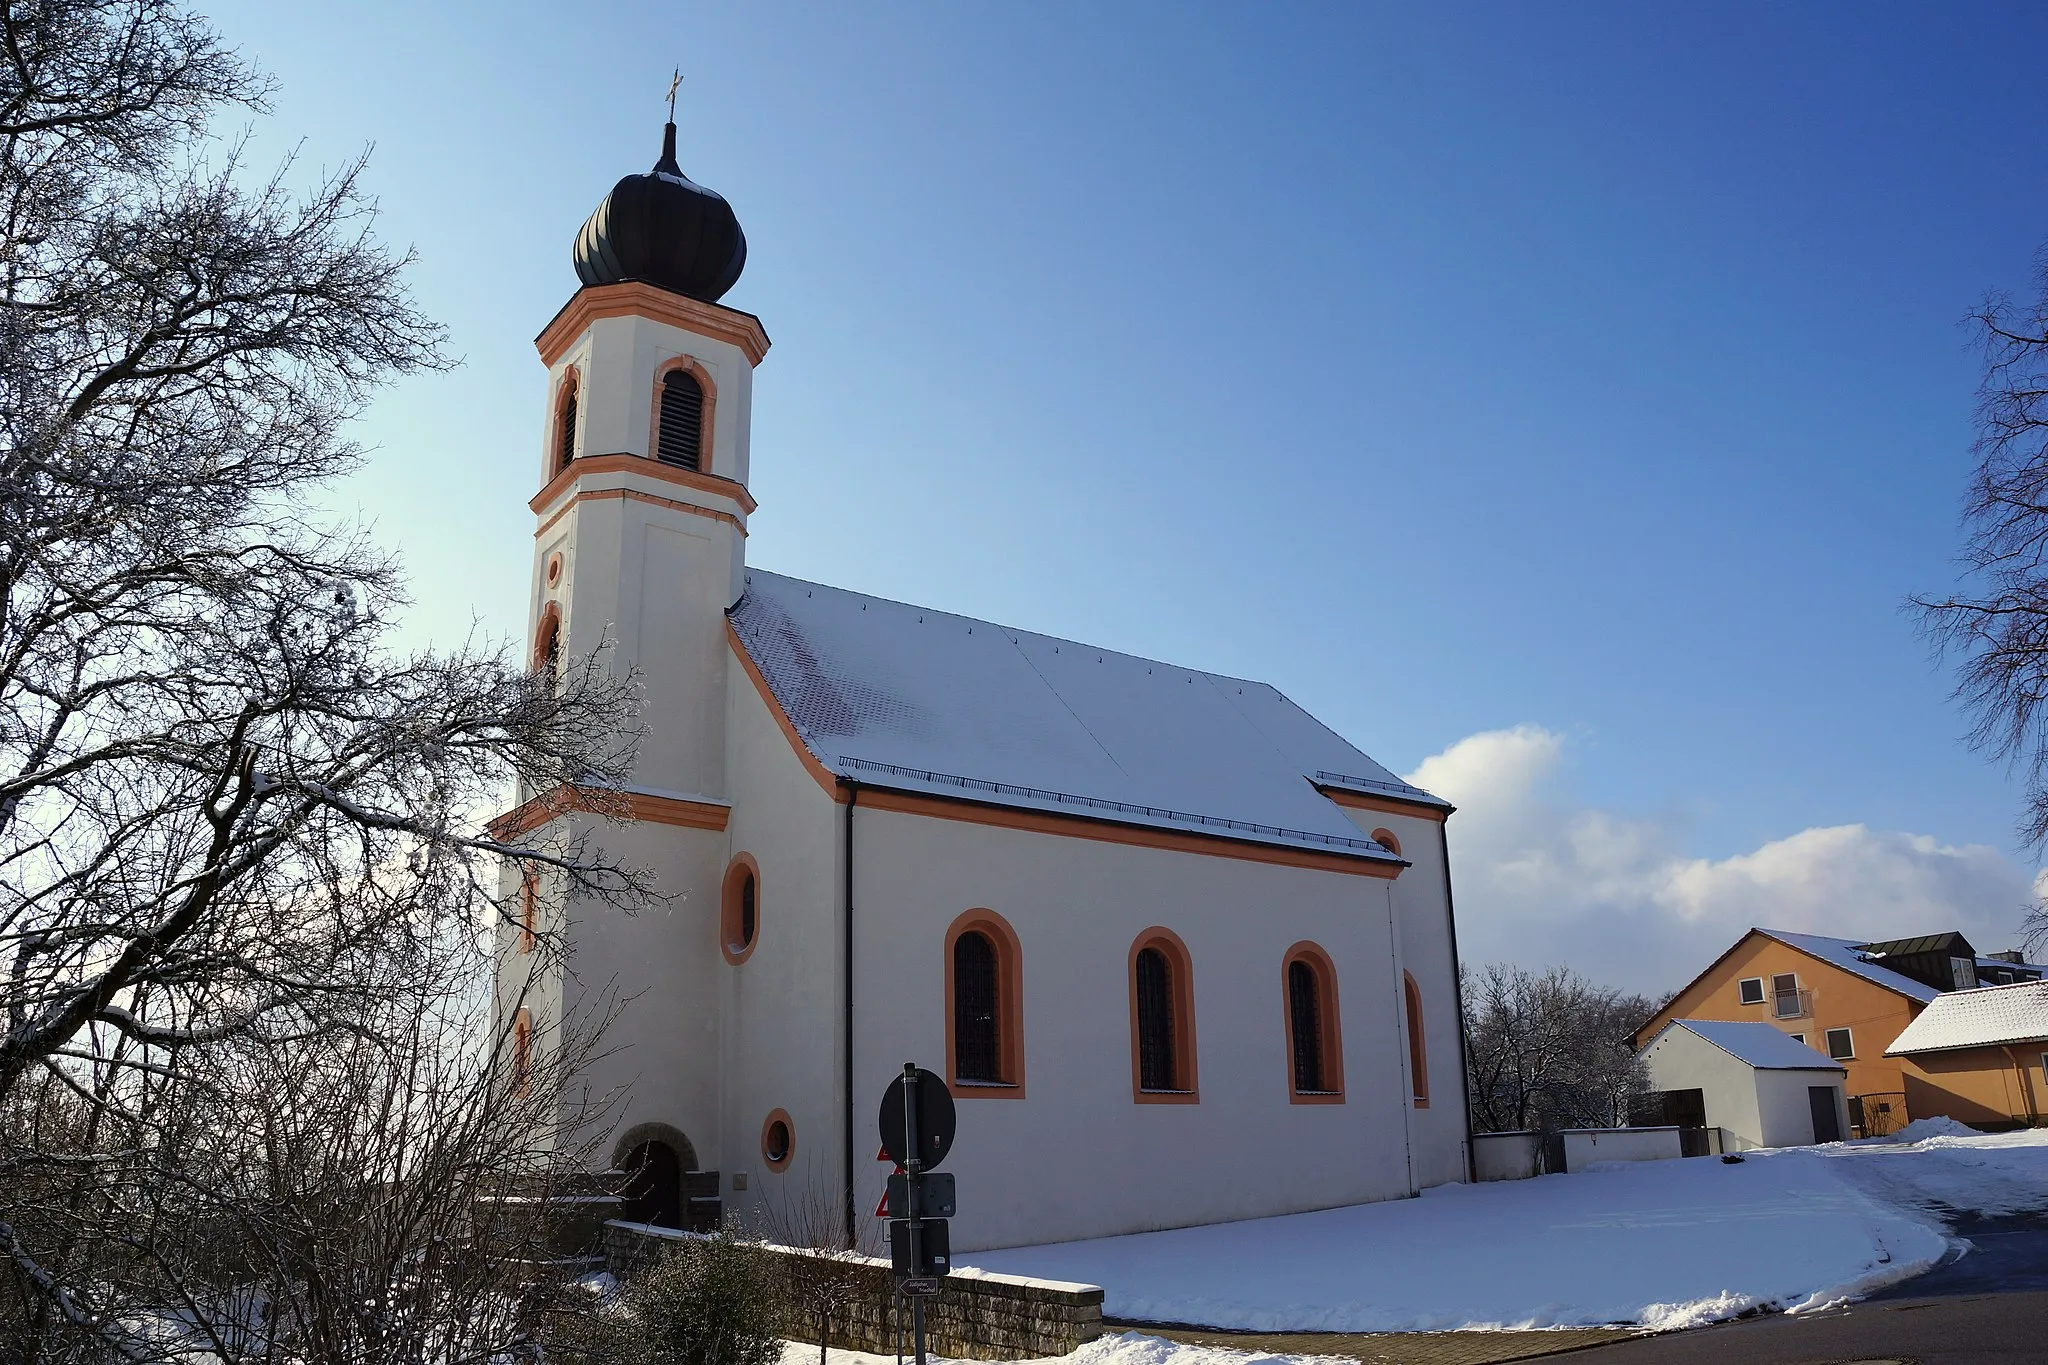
{"points": [[1980, 1056], [1848, 998], [1760, 1087], [1183, 953]]}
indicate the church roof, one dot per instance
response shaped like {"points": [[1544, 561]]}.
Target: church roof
{"points": [[904, 697]]}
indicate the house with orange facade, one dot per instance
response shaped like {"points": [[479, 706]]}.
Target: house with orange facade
{"points": [[1848, 999], [1980, 1056]]}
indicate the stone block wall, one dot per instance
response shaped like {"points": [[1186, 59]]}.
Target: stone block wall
{"points": [[974, 1316]]}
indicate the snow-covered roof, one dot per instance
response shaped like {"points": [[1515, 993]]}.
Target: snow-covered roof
{"points": [[1981, 1018], [1842, 952], [1756, 1044], [913, 699]]}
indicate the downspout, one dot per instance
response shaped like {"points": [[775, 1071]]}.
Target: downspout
{"points": [[846, 993], [1407, 1039], [2019, 1075], [1443, 843]]}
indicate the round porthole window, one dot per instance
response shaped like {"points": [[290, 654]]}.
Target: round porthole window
{"points": [[554, 569], [778, 1140]]}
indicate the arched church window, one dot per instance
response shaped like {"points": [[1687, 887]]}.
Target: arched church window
{"points": [[1418, 1054], [984, 1007], [1162, 1019], [522, 1050], [547, 644], [681, 437], [565, 423], [1315, 1052], [739, 919]]}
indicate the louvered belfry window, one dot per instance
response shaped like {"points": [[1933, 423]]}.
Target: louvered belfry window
{"points": [[1156, 1068], [565, 440], [977, 1046], [682, 420], [1305, 1021]]}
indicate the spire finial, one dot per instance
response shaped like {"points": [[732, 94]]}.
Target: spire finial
{"points": [[674, 81]]}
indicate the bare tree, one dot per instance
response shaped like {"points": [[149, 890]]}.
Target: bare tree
{"points": [[1550, 1050], [1995, 625], [825, 1283], [240, 837]]}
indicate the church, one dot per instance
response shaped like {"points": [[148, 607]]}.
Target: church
{"points": [[1182, 953]]}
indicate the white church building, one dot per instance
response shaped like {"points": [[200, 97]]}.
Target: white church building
{"points": [[1182, 953]]}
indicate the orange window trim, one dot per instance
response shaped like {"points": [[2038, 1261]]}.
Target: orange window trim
{"points": [[547, 635], [529, 908], [1009, 1007], [522, 1050], [776, 1116], [731, 942], [1327, 1022], [1184, 1051], [1386, 839], [569, 390], [595, 302], [1386, 805], [707, 426], [589, 466], [1418, 1050]]}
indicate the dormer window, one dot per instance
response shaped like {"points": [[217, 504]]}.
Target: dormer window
{"points": [[681, 437]]}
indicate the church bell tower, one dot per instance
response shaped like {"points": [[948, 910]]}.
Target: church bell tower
{"points": [[643, 503]]}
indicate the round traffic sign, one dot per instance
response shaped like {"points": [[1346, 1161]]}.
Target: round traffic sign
{"points": [[935, 1121]]}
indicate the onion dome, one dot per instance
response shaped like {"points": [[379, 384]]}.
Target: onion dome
{"points": [[664, 229]]}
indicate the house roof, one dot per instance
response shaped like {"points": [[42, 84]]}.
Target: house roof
{"points": [[1845, 953], [904, 697], [1757, 1045], [1984, 1017]]}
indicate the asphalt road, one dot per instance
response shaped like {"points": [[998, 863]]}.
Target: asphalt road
{"points": [[1972, 1329]]}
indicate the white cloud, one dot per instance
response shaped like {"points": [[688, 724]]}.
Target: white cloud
{"points": [[1540, 880]]}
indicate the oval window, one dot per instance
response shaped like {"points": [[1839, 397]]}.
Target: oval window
{"points": [[778, 1140]]}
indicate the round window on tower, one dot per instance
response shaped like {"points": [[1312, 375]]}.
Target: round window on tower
{"points": [[739, 919], [778, 1140], [554, 568]]}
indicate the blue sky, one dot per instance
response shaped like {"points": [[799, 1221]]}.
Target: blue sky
{"points": [[1563, 396]]}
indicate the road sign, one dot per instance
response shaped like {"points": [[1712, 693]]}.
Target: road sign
{"points": [[920, 1247], [917, 1286], [934, 1195], [936, 1121]]}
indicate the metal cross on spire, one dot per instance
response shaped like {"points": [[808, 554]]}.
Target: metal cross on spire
{"points": [[674, 81]]}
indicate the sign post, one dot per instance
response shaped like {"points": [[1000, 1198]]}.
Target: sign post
{"points": [[918, 1123]]}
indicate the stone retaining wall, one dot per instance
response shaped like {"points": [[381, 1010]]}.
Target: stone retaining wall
{"points": [[974, 1316]]}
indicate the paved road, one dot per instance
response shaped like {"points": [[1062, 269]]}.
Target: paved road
{"points": [[1973, 1329], [2007, 1254]]}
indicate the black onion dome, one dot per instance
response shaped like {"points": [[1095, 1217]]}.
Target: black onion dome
{"points": [[665, 229]]}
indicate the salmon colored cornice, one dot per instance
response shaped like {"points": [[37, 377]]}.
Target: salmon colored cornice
{"points": [[1385, 805], [646, 469], [643, 806], [633, 299]]}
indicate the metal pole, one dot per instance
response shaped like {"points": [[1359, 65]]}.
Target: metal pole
{"points": [[913, 1166], [917, 1325]]}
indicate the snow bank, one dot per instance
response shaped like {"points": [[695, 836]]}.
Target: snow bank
{"points": [[1662, 1244], [1921, 1129]]}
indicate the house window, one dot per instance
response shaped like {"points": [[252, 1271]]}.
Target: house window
{"points": [[522, 1050], [1387, 840], [1751, 990], [1162, 1020], [1785, 996], [984, 1007], [739, 916], [1315, 1053], [778, 1140], [1841, 1046], [565, 423], [1418, 1052], [681, 437], [1964, 972], [529, 908]]}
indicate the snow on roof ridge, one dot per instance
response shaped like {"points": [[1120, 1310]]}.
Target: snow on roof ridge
{"points": [[1738, 1032], [1983, 1017], [1852, 960]]}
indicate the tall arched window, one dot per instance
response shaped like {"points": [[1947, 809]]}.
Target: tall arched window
{"points": [[739, 917], [529, 908], [1418, 1054], [984, 1007], [1315, 1047], [1162, 1020], [565, 422], [547, 644], [681, 437], [522, 1050]]}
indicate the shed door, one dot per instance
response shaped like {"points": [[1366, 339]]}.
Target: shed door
{"points": [[1827, 1123]]}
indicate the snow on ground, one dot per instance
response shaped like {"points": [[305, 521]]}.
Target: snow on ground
{"points": [[1665, 1244], [1128, 1348]]}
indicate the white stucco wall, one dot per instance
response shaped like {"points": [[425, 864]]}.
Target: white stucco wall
{"points": [[1585, 1146], [1760, 1108], [1787, 1113]]}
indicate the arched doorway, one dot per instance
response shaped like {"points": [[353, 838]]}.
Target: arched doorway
{"points": [[653, 1158]]}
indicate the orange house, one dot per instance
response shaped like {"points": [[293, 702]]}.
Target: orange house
{"points": [[1829, 993], [1980, 1056]]}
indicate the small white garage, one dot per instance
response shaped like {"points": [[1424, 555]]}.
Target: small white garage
{"points": [[1762, 1087]]}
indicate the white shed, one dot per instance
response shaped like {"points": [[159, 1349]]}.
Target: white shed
{"points": [[1761, 1086]]}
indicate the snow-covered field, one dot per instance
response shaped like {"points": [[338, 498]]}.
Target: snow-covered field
{"points": [[1127, 1348], [1663, 1244]]}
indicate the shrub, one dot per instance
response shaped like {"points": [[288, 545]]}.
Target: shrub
{"points": [[714, 1302]]}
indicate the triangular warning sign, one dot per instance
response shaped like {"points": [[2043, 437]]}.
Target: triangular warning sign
{"points": [[882, 1154], [882, 1209]]}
